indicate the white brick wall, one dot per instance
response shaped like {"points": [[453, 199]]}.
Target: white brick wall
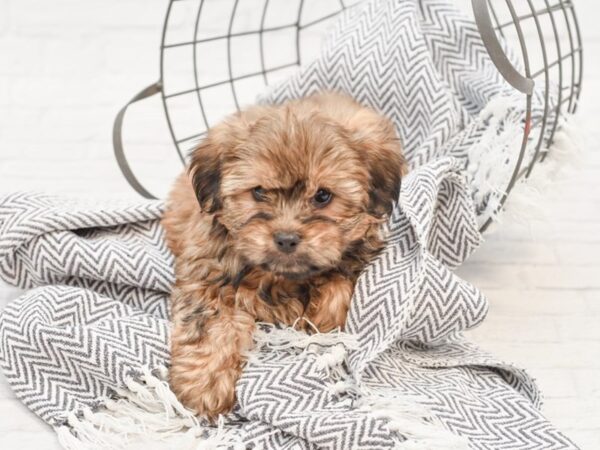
{"points": [[66, 67]]}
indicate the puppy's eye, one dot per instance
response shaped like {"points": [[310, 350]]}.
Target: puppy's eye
{"points": [[322, 198], [259, 194]]}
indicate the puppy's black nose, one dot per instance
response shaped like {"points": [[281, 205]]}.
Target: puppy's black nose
{"points": [[286, 241]]}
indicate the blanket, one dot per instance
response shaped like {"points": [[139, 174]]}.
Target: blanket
{"points": [[87, 347]]}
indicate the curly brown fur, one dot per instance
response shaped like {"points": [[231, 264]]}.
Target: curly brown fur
{"points": [[231, 271]]}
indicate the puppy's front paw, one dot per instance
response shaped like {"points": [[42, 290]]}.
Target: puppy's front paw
{"points": [[207, 390], [207, 359]]}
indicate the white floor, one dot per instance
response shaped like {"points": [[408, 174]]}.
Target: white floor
{"points": [[543, 281]]}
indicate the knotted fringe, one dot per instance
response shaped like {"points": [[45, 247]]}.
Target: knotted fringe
{"points": [[143, 415], [489, 158], [565, 155], [491, 162], [289, 338], [415, 426]]}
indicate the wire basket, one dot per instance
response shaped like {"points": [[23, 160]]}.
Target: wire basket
{"points": [[218, 55]]}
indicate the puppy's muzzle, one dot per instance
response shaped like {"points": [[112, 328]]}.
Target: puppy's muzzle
{"points": [[286, 241]]}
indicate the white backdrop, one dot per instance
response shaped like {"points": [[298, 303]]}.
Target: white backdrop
{"points": [[66, 67]]}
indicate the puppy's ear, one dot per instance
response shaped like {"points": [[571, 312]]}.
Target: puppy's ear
{"points": [[205, 173], [210, 157], [382, 155], [386, 166]]}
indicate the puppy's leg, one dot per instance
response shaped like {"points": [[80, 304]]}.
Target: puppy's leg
{"points": [[207, 343], [329, 306]]}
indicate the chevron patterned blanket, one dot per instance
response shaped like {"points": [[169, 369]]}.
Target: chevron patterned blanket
{"points": [[86, 348]]}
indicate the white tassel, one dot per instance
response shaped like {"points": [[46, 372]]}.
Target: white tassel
{"points": [[331, 362], [411, 421], [491, 162], [526, 201], [268, 336], [222, 439], [164, 393], [147, 415], [488, 167], [343, 387]]}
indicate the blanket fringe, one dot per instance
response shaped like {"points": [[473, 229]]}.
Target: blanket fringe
{"points": [[494, 150], [416, 427], [489, 158], [145, 415], [276, 338], [564, 156], [419, 428]]}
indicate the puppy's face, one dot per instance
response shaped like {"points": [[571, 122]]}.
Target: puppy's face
{"points": [[294, 188]]}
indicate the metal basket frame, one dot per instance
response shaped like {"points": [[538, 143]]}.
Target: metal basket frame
{"points": [[490, 28], [485, 13]]}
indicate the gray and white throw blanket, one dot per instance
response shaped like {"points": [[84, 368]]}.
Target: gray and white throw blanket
{"points": [[87, 347]]}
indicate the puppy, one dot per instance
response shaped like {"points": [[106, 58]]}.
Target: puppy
{"points": [[279, 212]]}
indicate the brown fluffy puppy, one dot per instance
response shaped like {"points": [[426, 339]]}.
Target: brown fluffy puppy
{"points": [[279, 213]]}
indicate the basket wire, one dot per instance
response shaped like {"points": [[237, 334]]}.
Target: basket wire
{"points": [[546, 32], [536, 22]]}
